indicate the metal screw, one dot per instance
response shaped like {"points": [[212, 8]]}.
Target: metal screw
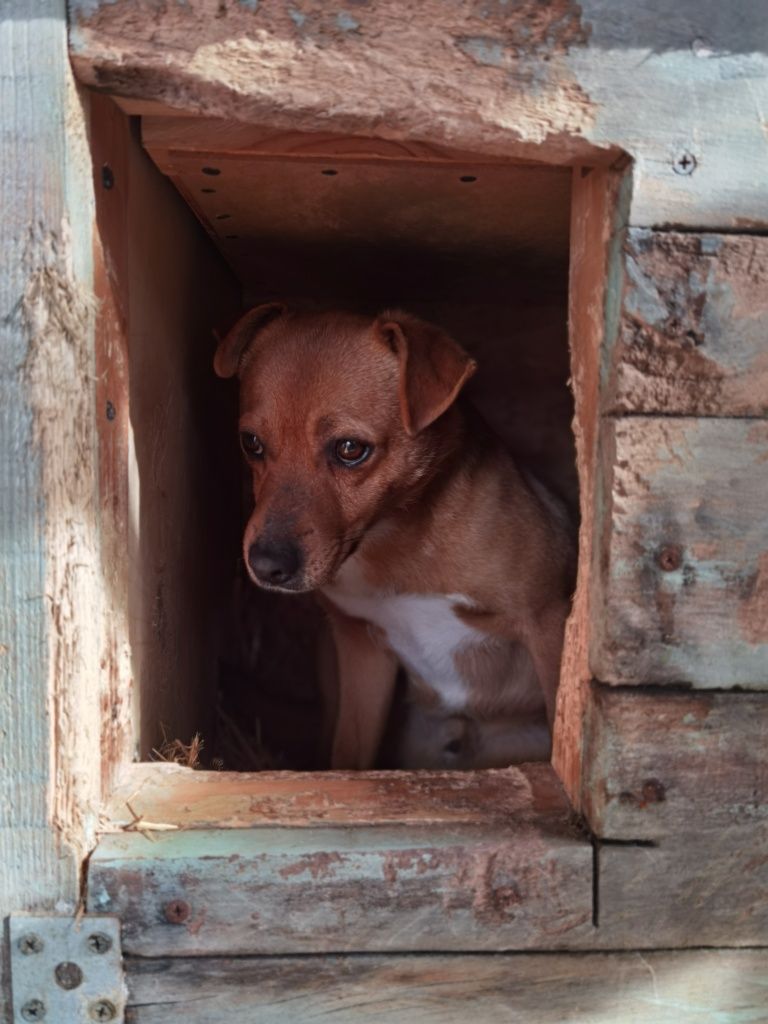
{"points": [[33, 1009], [30, 943], [102, 1009], [176, 911], [99, 943], [670, 557], [684, 163], [107, 177], [68, 975], [111, 411]]}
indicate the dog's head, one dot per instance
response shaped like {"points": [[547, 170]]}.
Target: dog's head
{"points": [[338, 421]]}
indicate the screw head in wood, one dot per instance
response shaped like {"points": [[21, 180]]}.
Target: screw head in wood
{"points": [[99, 943], [176, 911], [68, 975], [107, 177], [670, 557], [684, 163], [33, 1009], [102, 1010], [30, 943]]}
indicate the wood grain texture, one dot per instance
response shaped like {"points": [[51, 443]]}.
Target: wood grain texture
{"points": [[698, 889], [693, 338], [49, 777], [171, 794], [165, 447], [365, 889], [313, 233], [601, 988], [681, 580], [109, 141], [684, 96], [661, 764], [599, 200]]}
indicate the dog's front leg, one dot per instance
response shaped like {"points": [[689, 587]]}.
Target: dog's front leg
{"points": [[545, 645], [366, 675]]}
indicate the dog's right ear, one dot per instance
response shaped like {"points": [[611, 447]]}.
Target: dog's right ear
{"points": [[232, 348]]}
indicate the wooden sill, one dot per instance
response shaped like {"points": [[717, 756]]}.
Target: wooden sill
{"points": [[228, 864], [170, 795]]}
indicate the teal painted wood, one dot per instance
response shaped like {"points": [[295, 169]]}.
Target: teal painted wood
{"points": [[682, 560], [683, 94], [693, 337], [364, 889], [716, 987], [34, 871], [698, 889], [657, 765]]}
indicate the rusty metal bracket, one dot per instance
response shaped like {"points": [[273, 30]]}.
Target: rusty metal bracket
{"points": [[66, 970]]}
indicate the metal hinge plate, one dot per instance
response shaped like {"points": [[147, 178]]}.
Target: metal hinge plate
{"points": [[66, 970]]}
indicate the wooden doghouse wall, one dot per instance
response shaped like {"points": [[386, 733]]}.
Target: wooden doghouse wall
{"points": [[665, 757], [167, 462]]}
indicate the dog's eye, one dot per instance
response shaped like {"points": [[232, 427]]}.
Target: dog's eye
{"points": [[351, 452], [251, 445]]}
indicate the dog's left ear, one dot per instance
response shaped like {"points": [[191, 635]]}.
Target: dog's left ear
{"points": [[433, 368], [232, 348]]}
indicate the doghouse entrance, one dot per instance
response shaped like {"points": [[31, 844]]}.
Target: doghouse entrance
{"points": [[480, 247]]}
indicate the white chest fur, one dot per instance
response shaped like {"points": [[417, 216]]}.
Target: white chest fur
{"points": [[422, 629]]}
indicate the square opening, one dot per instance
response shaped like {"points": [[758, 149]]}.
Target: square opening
{"points": [[478, 246]]}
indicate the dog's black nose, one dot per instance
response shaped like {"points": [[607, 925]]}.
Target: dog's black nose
{"points": [[274, 563]]}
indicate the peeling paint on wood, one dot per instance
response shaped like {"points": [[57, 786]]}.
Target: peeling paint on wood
{"points": [[560, 82], [179, 796], [681, 578], [601, 988], [693, 339], [384, 888]]}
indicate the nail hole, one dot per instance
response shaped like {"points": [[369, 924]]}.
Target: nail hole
{"points": [[670, 558], [207, 189], [211, 170], [223, 216], [468, 177], [107, 177], [329, 172]]}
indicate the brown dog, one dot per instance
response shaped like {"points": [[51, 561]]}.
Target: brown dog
{"points": [[375, 487]]}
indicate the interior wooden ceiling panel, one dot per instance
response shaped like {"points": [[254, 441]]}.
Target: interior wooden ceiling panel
{"points": [[294, 213]]}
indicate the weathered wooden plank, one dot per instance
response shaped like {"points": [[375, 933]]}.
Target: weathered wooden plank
{"points": [[598, 205], [661, 764], [49, 577], [699, 889], [681, 590], [693, 338], [535, 82], [366, 889], [173, 795], [647, 988]]}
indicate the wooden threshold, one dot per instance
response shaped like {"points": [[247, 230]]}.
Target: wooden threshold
{"points": [[177, 797], [393, 861]]}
